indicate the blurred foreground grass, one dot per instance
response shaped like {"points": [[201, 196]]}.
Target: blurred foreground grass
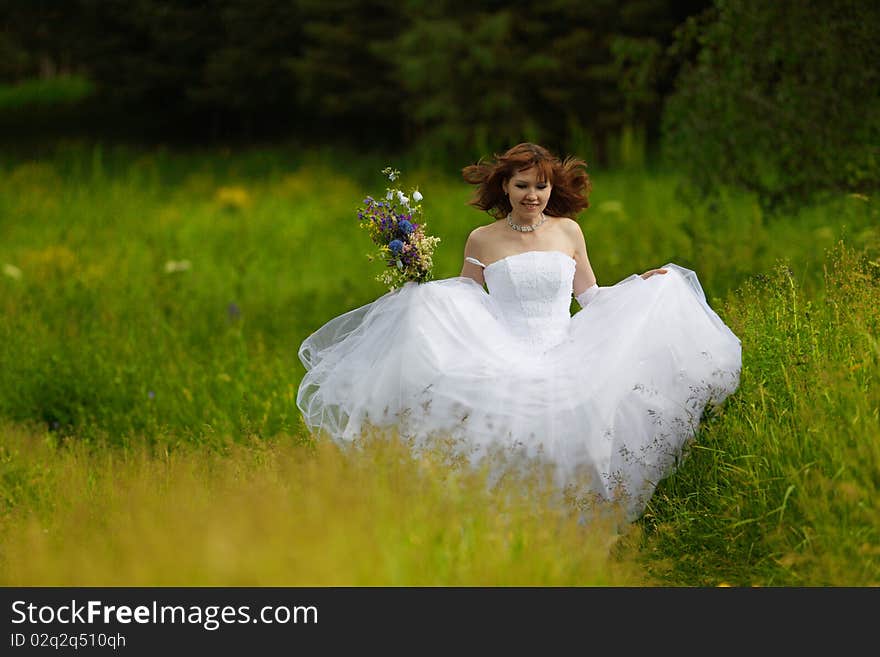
{"points": [[269, 513], [151, 306]]}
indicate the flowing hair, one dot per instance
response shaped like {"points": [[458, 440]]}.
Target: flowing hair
{"points": [[570, 183]]}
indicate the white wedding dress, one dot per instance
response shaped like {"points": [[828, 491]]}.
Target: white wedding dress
{"points": [[610, 395]]}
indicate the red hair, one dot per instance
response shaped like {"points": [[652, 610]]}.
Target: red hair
{"points": [[570, 183]]}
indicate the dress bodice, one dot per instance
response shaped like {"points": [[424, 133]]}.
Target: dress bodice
{"points": [[533, 292]]}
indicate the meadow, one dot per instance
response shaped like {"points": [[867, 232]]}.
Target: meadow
{"points": [[151, 305]]}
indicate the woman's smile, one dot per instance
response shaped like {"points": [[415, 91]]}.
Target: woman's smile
{"points": [[528, 193]]}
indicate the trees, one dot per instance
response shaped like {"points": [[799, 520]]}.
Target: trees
{"points": [[482, 76], [783, 99], [454, 76], [777, 97], [217, 66], [32, 41]]}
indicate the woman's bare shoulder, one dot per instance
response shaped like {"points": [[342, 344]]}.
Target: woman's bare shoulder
{"points": [[567, 223], [480, 235], [570, 227]]}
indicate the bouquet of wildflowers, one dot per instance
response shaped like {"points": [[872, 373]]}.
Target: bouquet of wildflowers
{"points": [[396, 226]]}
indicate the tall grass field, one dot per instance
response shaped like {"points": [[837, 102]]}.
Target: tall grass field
{"points": [[151, 306]]}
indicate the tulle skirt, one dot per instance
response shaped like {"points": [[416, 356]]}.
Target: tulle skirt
{"points": [[611, 408]]}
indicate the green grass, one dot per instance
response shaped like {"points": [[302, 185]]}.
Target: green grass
{"points": [[49, 92], [126, 377], [783, 486]]}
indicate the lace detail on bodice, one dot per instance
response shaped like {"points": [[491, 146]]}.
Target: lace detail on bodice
{"points": [[533, 291]]}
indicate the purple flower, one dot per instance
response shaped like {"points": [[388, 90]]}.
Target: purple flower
{"points": [[405, 227], [396, 246]]}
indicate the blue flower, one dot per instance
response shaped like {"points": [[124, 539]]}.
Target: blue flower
{"points": [[396, 246], [405, 226]]}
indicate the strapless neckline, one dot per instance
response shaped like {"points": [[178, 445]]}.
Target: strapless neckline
{"points": [[516, 255]]}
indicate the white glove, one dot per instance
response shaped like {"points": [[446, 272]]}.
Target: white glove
{"points": [[588, 295]]}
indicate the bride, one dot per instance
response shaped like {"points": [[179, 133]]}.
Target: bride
{"points": [[609, 396]]}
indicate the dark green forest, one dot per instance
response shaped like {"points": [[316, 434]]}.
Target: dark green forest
{"points": [[777, 98]]}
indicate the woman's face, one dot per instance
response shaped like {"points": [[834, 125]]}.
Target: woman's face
{"points": [[528, 195]]}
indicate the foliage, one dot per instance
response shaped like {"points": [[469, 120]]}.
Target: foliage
{"points": [[457, 79], [781, 487], [478, 81], [783, 99], [345, 84], [39, 38], [49, 92]]}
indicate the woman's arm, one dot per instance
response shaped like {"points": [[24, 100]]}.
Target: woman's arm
{"points": [[584, 278], [472, 250]]}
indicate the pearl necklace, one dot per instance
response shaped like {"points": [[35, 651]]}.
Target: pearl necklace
{"points": [[525, 228]]}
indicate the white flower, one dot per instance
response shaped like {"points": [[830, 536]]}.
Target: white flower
{"points": [[417, 196], [177, 265], [389, 195], [12, 271], [399, 264], [403, 198]]}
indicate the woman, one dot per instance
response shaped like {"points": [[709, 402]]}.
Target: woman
{"points": [[609, 397]]}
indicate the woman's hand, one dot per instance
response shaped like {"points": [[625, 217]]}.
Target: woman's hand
{"points": [[651, 272]]}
